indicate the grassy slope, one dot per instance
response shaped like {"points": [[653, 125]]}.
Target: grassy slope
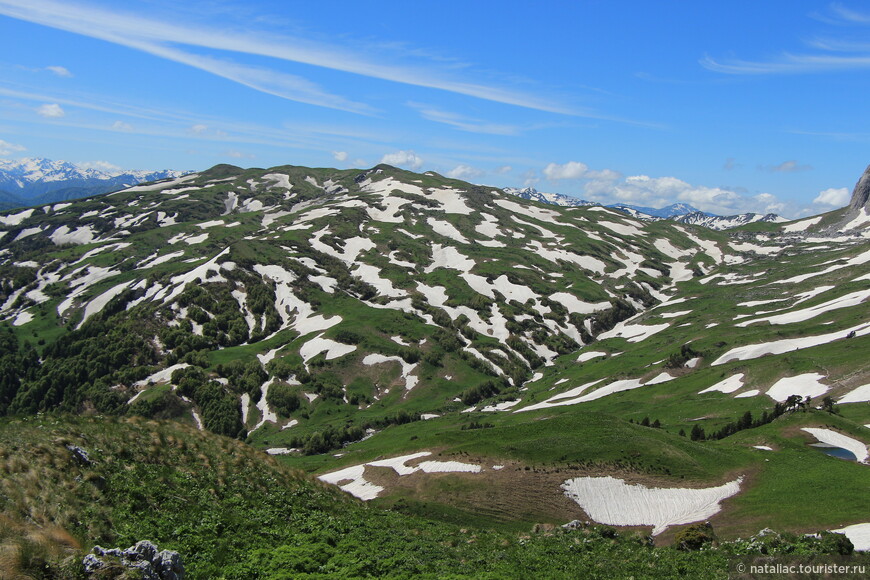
{"points": [[233, 512]]}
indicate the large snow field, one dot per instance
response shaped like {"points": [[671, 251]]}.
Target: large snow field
{"points": [[621, 228], [858, 395], [446, 229], [488, 227], [358, 486], [858, 534], [858, 260], [668, 249], [207, 272], [589, 355], [633, 332], [81, 235], [851, 299], [545, 215], [278, 180], [574, 304], [728, 385], [612, 501], [451, 200], [752, 351], [806, 385], [407, 368], [94, 275], [352, 246], [97, 304], [15, 219], [832, 438], [393, 205], [371, 275], [331, 348], [387, 185], [802, 225], [574, 396], [555, 254], [155, 260], [541, 229], [862, 218], [449, 257]]}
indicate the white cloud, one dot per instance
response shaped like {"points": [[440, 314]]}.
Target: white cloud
{"points": [[570, 170], [199, 129], [504, 169], [767, 203], [464, 172], [836, 197], [662, 191], [578, 170], [59, 71], [7, 148], [100, 166], [403, 159], [52, 111], [122, 126], [340, 156]]}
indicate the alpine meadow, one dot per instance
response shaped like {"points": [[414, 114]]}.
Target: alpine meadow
{"points": [[392, 369]]}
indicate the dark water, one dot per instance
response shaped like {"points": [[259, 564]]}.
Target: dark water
{"points": [[838, 452]]}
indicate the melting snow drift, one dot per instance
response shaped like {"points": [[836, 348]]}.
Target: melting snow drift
{"points": [[612, 501]]}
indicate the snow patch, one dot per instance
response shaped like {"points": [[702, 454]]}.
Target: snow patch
{"points": [[613, 501]]}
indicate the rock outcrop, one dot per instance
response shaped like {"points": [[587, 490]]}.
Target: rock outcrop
{"points": [[861, 193], [144, 556]]}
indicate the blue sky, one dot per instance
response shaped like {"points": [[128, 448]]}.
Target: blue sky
{"points": [[729, 106]]}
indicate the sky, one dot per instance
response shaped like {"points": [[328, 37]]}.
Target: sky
{"points": [[729, 106]]}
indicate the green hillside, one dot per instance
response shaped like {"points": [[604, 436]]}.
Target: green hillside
{"points": [[443, 350]]}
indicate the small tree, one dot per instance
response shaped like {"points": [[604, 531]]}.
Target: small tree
{"points": [[694, 537]]}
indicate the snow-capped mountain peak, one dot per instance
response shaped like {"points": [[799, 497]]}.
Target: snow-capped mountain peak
{"points": [[35, 180]]}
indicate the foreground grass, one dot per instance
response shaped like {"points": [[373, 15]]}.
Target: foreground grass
{"points": [[233, 512]]}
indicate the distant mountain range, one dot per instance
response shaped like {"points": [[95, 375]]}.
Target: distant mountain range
{"points": [[679, 212], [533, 194], [35, 181]]}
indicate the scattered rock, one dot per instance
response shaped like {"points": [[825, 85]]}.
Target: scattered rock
{"points": [[143, 556], [79, 454]]}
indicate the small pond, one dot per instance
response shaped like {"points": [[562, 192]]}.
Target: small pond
{"points": [[833, 451]]}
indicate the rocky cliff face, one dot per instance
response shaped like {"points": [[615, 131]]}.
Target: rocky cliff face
{"points": [[861, 193]]}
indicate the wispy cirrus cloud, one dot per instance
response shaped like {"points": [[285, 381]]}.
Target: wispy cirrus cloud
{"points": [[825, 54], [60, 71], [179, 124], [462, 122], [162, 37]]}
